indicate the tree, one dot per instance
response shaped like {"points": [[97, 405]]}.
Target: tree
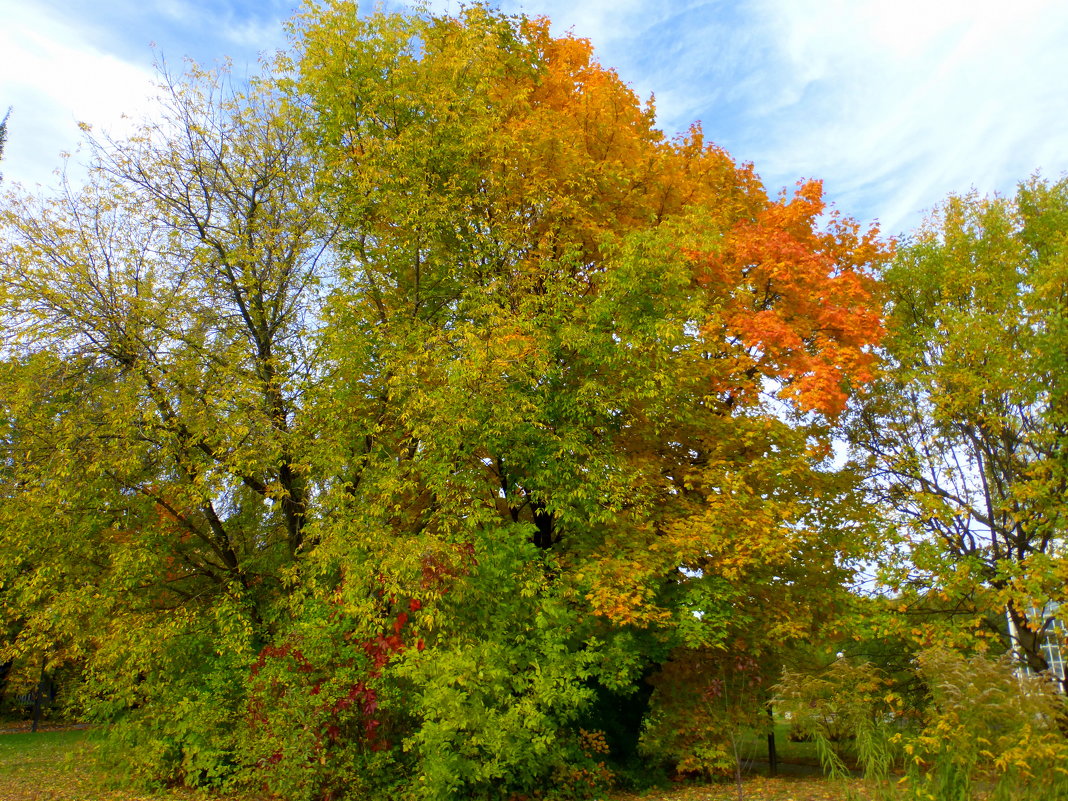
{"points": [[414, 406], [157, 357], [3, 134], [963, 434], [562, 323]]}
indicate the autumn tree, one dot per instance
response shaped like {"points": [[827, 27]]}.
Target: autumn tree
{"points": [[156, 359], [413, 407], [561, 339], [963, 434]]}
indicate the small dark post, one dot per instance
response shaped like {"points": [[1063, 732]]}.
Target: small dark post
{"points": [[773, 757], [39, 696]]}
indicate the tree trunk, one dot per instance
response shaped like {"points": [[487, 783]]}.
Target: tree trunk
{"points": [[39, 695]]}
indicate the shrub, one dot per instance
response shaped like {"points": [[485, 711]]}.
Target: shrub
{"points": [[983, 730], [846, 701], [985, 723], [705, 702]]}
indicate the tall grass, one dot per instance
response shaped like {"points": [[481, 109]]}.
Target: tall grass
{"points": [[981, 731]]}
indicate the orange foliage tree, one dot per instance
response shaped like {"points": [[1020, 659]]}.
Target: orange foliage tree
{"points": [[602, 359], [479, 405]]}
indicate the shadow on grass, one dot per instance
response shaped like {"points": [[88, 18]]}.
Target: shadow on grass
{"points": [[57, 765]]}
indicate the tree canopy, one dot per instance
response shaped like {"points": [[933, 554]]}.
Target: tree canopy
{"points": [[964, 432], [401, 420]]}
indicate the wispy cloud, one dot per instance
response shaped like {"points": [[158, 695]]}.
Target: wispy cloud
{"points": [[54, 79], [893, 103], [64, 62], [896, 105]]}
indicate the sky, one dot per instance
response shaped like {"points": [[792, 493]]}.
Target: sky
{"points": [[892, 103]]}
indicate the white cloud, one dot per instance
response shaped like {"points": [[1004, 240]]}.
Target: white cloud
{"points": [[893, 102], [897, 104], [54, 79]]}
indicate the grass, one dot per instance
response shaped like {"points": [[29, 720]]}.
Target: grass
{"points": [[58, 766], [760, 789], [789, 752]]}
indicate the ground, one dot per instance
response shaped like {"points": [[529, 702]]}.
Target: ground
{"points": [[54, 765]]}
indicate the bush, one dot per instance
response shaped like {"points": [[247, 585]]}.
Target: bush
{"points": [[324, 717], [172, 701], [705, 703], [847, 701], [984, 723], [981, 725]]}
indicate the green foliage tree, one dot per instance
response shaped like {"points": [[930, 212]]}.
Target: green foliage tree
{"points": [[562, 322], [382, 427], [964, 432]]}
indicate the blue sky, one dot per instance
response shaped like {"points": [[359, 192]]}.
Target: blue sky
{"points": [[893, 103]]}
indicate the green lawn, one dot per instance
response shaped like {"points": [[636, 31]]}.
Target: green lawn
{"points": [[792, 755], [57, 766]]}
